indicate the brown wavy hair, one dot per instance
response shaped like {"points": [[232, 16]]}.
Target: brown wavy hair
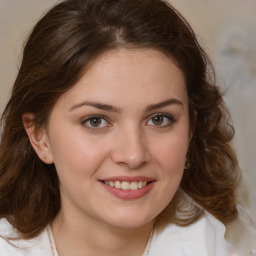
{"points": [[59, 49]]}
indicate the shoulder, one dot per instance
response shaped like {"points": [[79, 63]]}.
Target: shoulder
{"points": [[39, 246], [202, 238]]}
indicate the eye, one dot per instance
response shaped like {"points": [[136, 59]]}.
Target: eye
{"points": [[94, 122], [161, 120]]}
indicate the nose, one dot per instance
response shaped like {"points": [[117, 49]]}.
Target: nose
{"points": [[131, 150]]}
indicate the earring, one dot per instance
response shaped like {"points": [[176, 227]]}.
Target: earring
{"points": [[187, 164]]}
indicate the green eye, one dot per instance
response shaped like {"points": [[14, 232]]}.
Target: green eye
{"points": [[95, 121], [161, 120], [157, 120]]}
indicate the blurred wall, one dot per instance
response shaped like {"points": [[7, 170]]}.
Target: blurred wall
{"points": [[226, 30], [17, 18]]}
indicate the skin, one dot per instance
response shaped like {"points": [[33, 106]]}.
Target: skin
{"points": [[136, 136]]}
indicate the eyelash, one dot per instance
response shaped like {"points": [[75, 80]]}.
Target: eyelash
{"points": [[170, 119], [90, 118]]}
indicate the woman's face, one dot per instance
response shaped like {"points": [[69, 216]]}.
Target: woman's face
{"points": [[119, 138]]}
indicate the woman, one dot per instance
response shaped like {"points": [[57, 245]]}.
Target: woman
{"points": [[115, 140]]}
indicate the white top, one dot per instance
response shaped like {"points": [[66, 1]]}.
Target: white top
{"points": [[203, 238]]}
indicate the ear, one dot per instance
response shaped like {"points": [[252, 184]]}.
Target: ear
{"points": [[38, 138]]}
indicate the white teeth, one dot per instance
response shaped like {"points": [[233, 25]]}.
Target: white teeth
{"points": [[118, 184], [125, 185], [134, 185]]}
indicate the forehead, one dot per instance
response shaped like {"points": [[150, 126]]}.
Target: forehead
{"points": [[144, 75]]}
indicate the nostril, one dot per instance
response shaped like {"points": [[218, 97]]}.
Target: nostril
{"points": [[131, 151]]}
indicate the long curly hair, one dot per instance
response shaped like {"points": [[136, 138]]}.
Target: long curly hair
{"points": [[59, 49]]}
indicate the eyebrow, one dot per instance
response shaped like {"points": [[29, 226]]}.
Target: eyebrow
{"points": [[96, 105], [111, 108], [165, 103]]}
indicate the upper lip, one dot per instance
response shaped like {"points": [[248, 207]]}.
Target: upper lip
{"points": [[128, 178]]}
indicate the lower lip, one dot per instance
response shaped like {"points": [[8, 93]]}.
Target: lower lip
{"points": [[129, 194]]}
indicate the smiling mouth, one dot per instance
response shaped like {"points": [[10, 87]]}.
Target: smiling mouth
{"points": [[125, 185]]}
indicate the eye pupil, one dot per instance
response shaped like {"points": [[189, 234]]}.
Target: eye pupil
{"points": [[95, 122], [157, 120]]}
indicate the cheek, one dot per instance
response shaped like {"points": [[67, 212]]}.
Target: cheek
{"points": [[78, 155], [170, 157], [171, 154]]}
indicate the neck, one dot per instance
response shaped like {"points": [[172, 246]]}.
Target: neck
{"points": [[92, 238]]}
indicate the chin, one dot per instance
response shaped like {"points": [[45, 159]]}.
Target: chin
{"points": [[130, 221]]}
